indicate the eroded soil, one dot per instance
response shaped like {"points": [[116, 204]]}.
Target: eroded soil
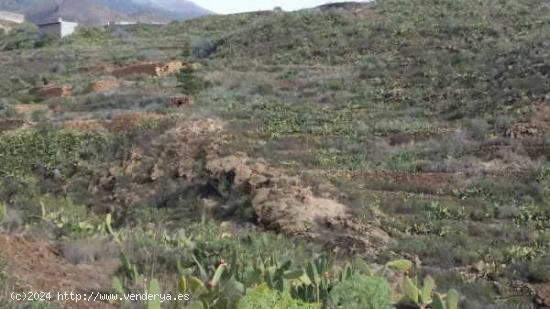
{"points": [[39, 267]]}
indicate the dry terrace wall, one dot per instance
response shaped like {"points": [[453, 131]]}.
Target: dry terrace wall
{"points": [[47, 92], [102, 86], [151, 69]]}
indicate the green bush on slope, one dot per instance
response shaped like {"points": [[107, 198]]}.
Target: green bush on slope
{"points": [[361, 292], [21, 151], [262, 297]]}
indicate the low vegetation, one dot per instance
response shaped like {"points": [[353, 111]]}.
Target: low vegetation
{"points": [[427, 120]]}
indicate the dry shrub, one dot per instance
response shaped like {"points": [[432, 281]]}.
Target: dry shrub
{"points": [[29, 108], [154, 69], [130, 121], [102, 86], [11, 124], [84, 125]]}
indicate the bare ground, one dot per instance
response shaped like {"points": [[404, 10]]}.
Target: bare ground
{"points": [[39, 267]]}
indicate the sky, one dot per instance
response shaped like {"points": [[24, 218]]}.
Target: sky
{"points": [[236, 6]]}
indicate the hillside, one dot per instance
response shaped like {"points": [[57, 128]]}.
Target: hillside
{"points": [[97, 12], [9, 21], [347, 156]]}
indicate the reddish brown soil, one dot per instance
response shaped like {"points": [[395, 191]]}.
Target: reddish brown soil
{"points": [[51, 91], [39, 267], [542, 295], [432, 182]]}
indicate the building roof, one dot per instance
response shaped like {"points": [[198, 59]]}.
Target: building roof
{"points": [[59, 21]]}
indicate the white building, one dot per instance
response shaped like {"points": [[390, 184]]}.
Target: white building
{"points": [[60, 28]]}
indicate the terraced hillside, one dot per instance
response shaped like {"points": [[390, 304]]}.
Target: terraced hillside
{"points": [[334, 158]]}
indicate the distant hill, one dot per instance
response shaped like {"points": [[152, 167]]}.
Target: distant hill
{"points": [[6, 25], [175, 8], [96, 12], [9, 20]]}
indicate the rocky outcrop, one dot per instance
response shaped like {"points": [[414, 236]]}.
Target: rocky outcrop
{"points": [[187, 162], [537, 126], [281, 203], [523, 130]]}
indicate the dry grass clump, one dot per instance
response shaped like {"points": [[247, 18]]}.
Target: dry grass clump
{"points": [[133, 120]]}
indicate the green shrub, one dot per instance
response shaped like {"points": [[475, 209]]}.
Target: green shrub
{"points": [[188, 81], [203, 48], [20, 152], [22, 37], [47, 39], [539, 270], [93, 34], [2, 212], [262, 297], [403, 161], [361, 292], [70, 219]]}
